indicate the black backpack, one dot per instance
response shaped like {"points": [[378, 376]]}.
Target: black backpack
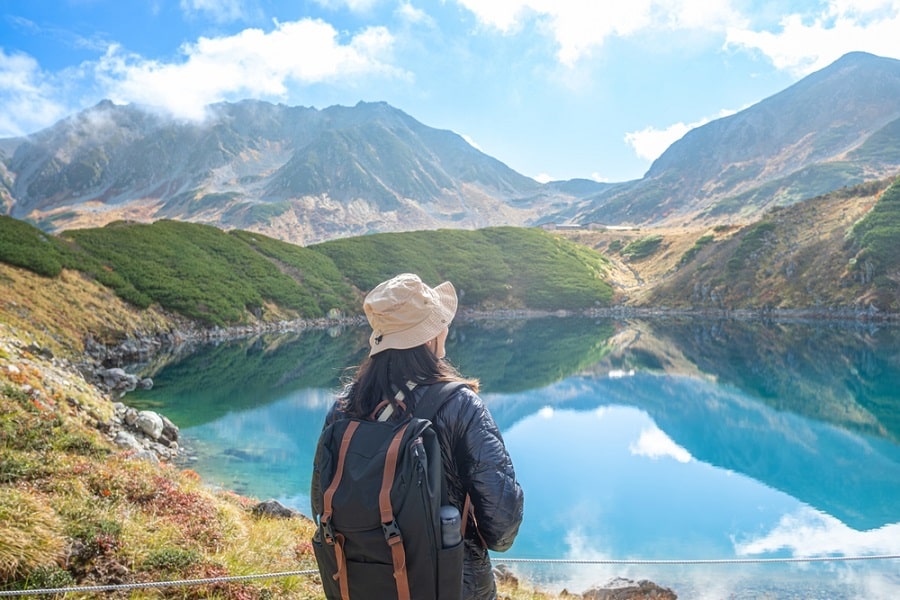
{"points": [[381, 486]]}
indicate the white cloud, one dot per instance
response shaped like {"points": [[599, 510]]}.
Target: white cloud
{"points": [[251, 62], [654, 443], [27, 96], [221, 11], [811, 533], [649, 143], [471, 142], [804, 43], [358, 6], [409, 13], [546, 412], [578, 27]]}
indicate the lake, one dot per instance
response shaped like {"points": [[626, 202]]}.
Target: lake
{"points": [[671, 439]]}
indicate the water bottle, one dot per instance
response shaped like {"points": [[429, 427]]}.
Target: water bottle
{"points": [[450, 528]]}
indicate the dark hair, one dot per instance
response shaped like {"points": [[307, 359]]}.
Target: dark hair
{"points": [[379, 377]]}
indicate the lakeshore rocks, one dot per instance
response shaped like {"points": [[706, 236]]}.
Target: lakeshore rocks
{"points": [[626, 589], [148, 434]]}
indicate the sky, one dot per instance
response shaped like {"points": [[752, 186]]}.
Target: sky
{"points": [[555, 89]]}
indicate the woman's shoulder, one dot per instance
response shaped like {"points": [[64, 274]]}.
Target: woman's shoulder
{"points": [[462, 402], [337, 412]]}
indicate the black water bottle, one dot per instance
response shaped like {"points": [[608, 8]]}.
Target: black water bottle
{"points": [[450, 529]]}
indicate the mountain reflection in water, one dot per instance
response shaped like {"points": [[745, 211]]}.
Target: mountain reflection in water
{"points": [[664, 439]]}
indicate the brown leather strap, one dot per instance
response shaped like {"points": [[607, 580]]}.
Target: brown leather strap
{"points": [[341, 575], [467, 506], [379, 409], [342, 455], [469, 509], [398, 554]]}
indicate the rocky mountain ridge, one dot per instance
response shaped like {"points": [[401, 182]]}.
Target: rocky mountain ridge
{"points": [[305, 175], [300, 174], [837, 127]]}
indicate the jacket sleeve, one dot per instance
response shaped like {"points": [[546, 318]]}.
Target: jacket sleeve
{"points": [[486, 471]]}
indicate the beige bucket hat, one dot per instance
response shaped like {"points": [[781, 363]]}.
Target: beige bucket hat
{"points": [[405, 313]]}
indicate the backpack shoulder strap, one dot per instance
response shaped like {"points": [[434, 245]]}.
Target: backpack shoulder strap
{"points": [[435, 397]]}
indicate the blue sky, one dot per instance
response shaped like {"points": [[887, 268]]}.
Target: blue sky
{"points": [[556, 89]]}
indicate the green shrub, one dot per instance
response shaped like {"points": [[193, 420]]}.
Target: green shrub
{"points": [[15, 466], [496, 266], [171, 559], [876, 235], [643, 247], [701, 243], [23, 245], [79, 443], [47, 577], [751, 243]]}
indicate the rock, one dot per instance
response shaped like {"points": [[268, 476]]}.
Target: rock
{"points": [[129, 416], [626, 589], [128, 441], [149, 423], [170, 432], [147, 455], [274, 508], [117, 379]]}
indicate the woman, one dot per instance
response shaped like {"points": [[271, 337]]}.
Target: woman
{"points": [[410, 323]]}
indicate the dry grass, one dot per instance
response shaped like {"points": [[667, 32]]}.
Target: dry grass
{"points": [[633, 279], [58, 313]]}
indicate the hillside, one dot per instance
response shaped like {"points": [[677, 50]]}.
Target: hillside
{"points": [[225, 278], [831, 254]]}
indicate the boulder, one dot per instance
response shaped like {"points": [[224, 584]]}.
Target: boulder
{"points": [[150, 423], [274, 508], [626, 589]]}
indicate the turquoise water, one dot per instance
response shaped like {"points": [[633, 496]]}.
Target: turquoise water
{"points": [[673, 439]]}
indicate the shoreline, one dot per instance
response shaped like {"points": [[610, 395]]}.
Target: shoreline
{"points": [[139, 347]]}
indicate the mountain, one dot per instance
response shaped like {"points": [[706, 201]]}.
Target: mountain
{"points": [[305, 175], [299, 174], [837, 127]]}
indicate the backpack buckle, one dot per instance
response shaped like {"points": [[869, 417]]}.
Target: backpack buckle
{"points": [[328, 532], [390, 531]]}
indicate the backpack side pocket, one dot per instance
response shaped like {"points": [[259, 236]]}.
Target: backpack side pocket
{"points": [[450, 572]]}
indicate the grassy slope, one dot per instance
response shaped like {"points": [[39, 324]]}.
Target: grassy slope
{"points": [[805, 256], [220, 278], [73, 507]]}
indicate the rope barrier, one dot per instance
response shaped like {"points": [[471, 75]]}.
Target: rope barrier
{"points": [[698, 561], [495, 560]]}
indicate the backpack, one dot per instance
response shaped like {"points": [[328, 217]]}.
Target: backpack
{"points": [[381, 489]]}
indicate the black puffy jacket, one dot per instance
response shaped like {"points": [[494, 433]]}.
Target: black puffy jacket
{"points": [[475, 462]]}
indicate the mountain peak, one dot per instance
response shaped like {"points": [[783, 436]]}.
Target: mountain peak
{"points": [[798, 143], [300, 174]]}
